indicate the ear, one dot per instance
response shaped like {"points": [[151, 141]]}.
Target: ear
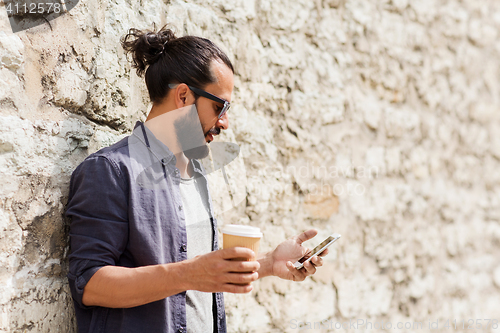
{"points": [[183, 96]]}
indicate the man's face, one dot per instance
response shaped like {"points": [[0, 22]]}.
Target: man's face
{"points": [[209, 110]]}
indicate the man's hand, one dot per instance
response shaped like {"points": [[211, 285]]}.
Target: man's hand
{"points": [[216, 272], [280, 261]]}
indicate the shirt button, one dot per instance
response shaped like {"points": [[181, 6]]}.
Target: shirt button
{"points": [[183, 249], [164, 161], [180, 207], [181, 330]]}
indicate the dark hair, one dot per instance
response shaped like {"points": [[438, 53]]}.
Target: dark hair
{"points": [[172, 60]]}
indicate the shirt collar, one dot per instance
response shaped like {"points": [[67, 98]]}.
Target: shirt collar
{"points": [[159, 149]]}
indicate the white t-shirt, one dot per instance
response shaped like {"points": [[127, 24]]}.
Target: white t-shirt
{"points": [[199, 313]]}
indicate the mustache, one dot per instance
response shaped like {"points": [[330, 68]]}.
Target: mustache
{"points": [[213, 131]]}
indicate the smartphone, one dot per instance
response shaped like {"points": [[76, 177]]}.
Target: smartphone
{"points": [[317, 250]]}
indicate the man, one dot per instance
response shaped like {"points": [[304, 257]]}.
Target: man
{"points": [[137, 264]]}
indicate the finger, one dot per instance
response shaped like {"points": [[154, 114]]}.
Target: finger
{"points": [[306, 235], [242, 266], [310, 268], [297, 274], [237, 289], [317, 261], [237, 252], [242, 278]]}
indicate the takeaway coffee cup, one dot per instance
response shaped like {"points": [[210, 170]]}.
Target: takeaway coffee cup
{"points": [[241, 235]]}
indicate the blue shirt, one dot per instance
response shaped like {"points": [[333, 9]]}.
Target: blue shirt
{"points": [[126, 210]]}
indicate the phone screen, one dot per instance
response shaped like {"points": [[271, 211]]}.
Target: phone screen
{"points": [[316, 249]]}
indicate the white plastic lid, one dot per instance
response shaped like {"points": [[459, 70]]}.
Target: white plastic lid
{"points": [[242, 230]]}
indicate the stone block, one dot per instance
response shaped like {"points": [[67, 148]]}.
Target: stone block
{"points": [[11, 51], [400, 122]]}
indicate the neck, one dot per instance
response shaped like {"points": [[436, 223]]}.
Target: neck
{"points": [[185, 168], [161, 121], [159, 109]]}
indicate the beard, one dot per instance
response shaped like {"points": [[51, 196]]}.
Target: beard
{"points": [[190, 136], [214, 131], [197, 153]]}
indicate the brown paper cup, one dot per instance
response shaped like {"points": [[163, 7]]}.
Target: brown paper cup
{"points": [[248, 242], [244, 236]]}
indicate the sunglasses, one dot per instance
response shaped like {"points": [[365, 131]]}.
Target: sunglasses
{"points": [[208, 95]]}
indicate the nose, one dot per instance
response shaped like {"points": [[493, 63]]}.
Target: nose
{"points": [[223, 122]]}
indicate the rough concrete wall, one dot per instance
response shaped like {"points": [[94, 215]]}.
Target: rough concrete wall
{"points": [[375, 119]]}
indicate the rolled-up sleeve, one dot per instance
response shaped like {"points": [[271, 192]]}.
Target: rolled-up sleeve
{"points": [[98, 209]]}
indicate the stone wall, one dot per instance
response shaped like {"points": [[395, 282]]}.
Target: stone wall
{"points": [[379, 120]]}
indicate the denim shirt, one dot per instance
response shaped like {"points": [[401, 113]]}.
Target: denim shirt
{"points": [[126, 210]]}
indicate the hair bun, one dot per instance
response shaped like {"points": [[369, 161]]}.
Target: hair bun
{"points": [[160, 39], [146, 46]]}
